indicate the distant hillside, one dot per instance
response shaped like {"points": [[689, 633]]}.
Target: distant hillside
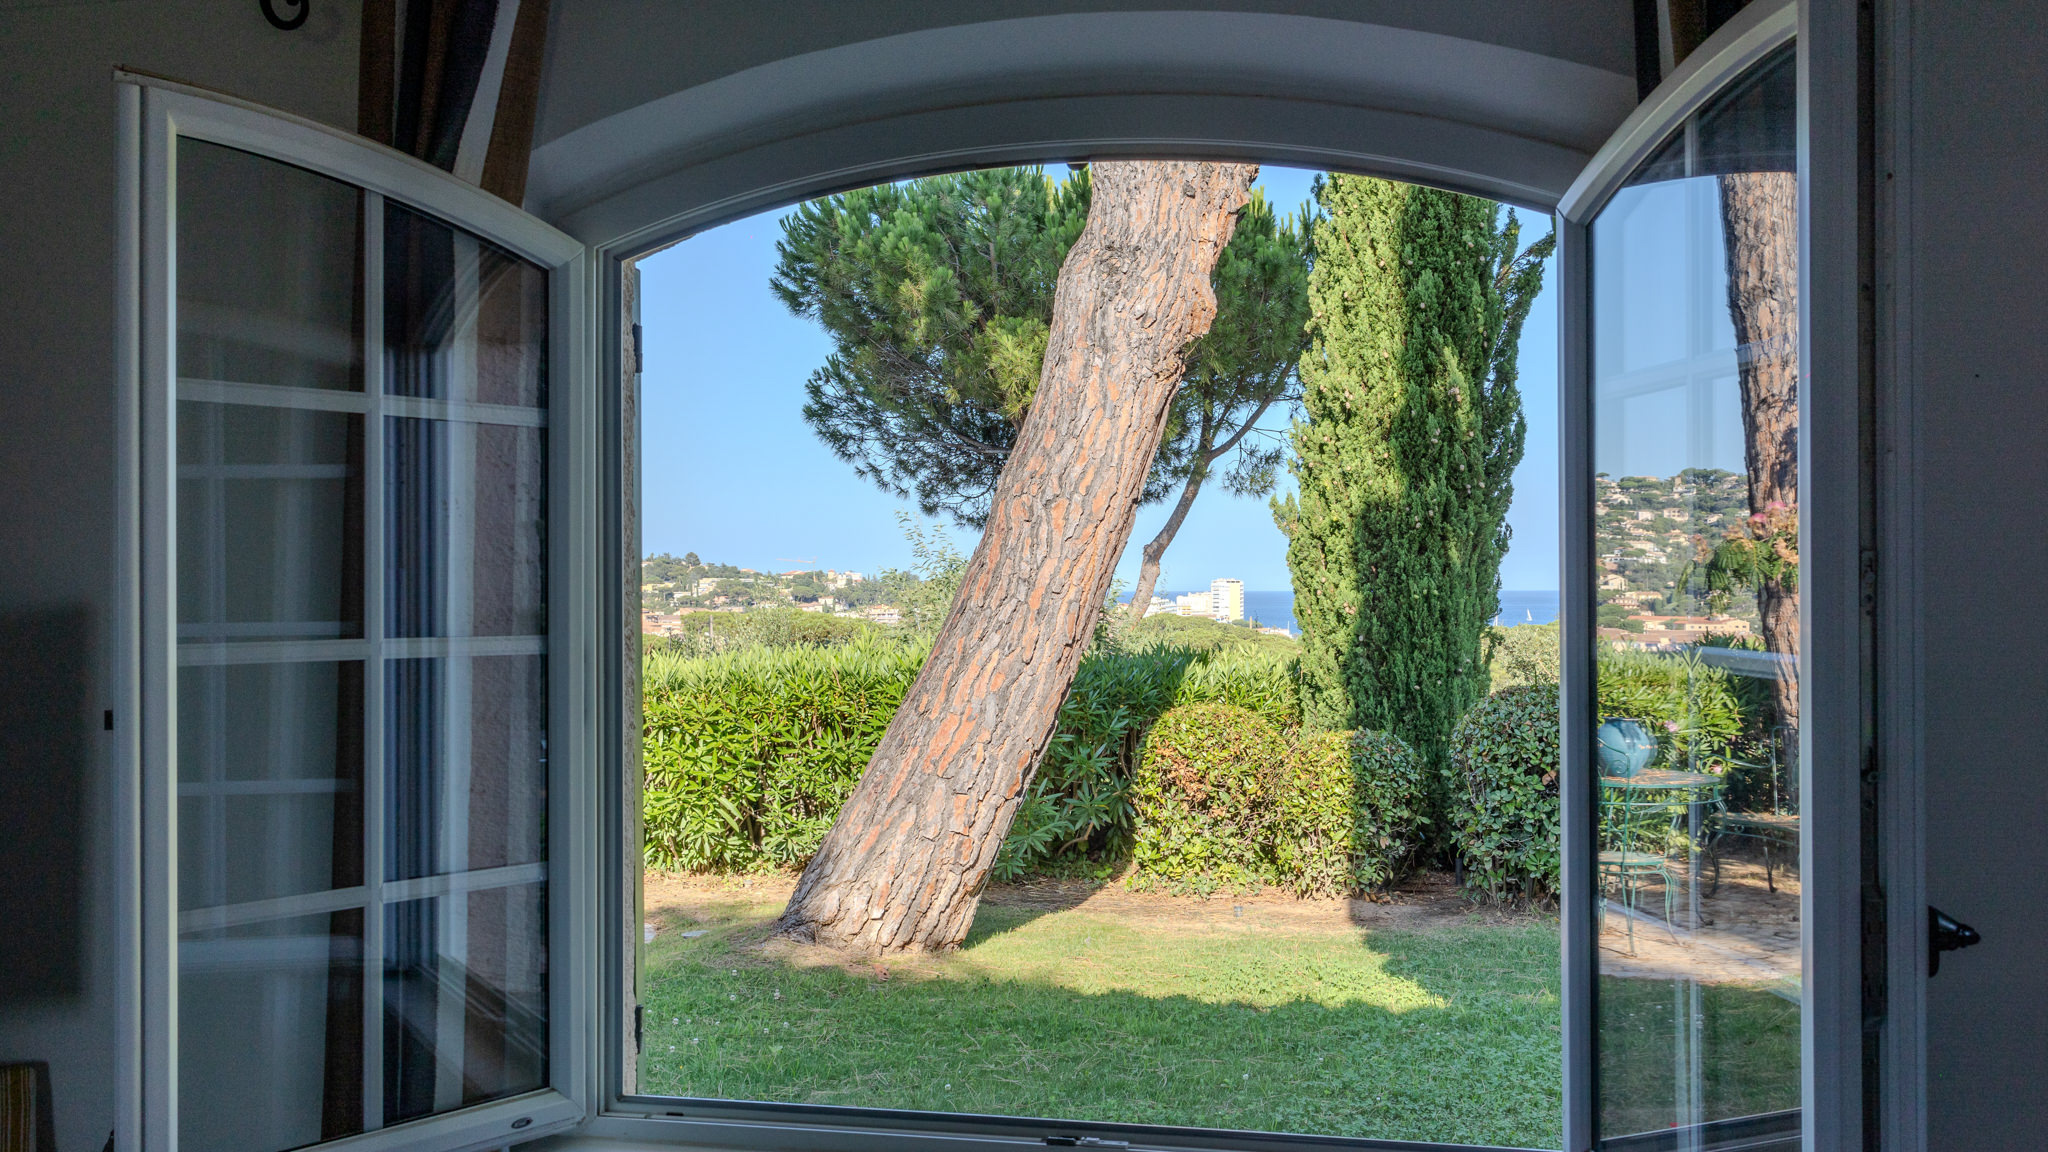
{"points": [[1647, 531]]}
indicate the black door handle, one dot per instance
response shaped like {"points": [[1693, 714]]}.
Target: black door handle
{"points": [[1945, 933]]}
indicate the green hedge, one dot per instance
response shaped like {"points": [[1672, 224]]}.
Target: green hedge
{"points": [[1504, 820], [1226, 798], [750, 754], [1695, 710]]}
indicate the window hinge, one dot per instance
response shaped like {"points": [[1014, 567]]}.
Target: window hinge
{"points": [[639, 1017], [639, 355]]}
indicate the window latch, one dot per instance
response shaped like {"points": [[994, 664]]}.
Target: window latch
{"points": [[1084, 1142], [639, 1017], [1945, 933]]}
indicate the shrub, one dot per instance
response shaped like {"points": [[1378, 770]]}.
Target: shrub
{"points": [[1265, 682], [1206, 798], [1693, 708], [1390, 790], [715, 633], [1523, 654], [1203, 634], [1505, 820], [1079, 801], [1225, 798], [749, 754]]}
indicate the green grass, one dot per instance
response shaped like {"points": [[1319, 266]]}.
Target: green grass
{"points": [[1442, 1034], [1747, 1052]]}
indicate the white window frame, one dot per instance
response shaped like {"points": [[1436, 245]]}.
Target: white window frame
{"points": [[154, 114], [587, 799], [1837, 613], [1833, 692]]}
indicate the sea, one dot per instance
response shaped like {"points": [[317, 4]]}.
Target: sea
{"points": [[1276, 609]]}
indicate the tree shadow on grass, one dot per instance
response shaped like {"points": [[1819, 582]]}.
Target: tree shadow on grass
{"points": [[1444, 1035]]}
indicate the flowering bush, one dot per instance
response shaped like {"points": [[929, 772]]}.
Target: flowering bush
{"points": [[1761, 549]]}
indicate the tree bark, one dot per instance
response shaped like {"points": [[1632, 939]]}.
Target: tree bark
{"points": [[1760, 228], [904, 865]]}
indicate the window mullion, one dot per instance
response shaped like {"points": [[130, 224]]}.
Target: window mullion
{"points": [[374, 695]]}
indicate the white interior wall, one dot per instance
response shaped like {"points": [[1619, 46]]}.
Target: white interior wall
{"points": [[58, 123], [1972, 225]]}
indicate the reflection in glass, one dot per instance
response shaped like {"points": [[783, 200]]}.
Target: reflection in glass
{"points": [[268, 289], [361, 796], [466, 754], [464, 320], [464, 506], [465, 999], [269, 523], [1696, 530], [270, 770], [270, 1019]]}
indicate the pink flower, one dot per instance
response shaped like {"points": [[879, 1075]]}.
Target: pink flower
{"points": [[1671, 725]]}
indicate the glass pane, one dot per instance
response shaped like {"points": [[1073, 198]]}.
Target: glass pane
{"points": [[465, 999], [268, 263], [1696, 527], [463, 319], [466, 755], [466, 537], [270, 770], [269, 523], [270, 1025]]}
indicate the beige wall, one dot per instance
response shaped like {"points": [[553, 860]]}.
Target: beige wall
{"points": [[58, 123]]}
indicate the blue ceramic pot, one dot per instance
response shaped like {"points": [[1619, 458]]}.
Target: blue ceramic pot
{"points": [[1624, 746]]}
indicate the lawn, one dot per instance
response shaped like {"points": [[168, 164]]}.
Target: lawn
{"points": [[1273, 1015], [1745, 1052]]}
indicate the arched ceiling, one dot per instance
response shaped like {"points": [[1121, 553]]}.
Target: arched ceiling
{"points": [[656, 120]]}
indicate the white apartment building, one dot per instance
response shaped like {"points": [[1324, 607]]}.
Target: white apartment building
{"points": [[1226, 599]]}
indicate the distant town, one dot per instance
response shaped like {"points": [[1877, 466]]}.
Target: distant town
{"points": [[673, 587], [1648, 533]]}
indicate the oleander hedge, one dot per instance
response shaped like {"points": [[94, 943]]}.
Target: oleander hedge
{"points": [[749, 754]]}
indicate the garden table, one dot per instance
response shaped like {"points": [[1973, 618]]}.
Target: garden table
{"points": [[1628, 806]]}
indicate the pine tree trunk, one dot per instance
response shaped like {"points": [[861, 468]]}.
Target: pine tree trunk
{"points": [[1155, 550], [1760, 227], [904, 865]]}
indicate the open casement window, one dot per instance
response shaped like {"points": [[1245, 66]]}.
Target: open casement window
{"points": [[1688, 811], [356, 414], [1688, 760]]}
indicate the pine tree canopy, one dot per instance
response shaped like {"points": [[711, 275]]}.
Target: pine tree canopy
{"points": [[937, 294], [1411, 431]]}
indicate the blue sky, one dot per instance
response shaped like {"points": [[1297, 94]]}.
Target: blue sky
{"points": [[731, 472]]}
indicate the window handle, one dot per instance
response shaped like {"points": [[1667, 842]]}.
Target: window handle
{"points": [[1945, 933]]}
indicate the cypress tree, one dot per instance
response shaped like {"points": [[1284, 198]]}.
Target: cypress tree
{"points": [[1411, 432]]}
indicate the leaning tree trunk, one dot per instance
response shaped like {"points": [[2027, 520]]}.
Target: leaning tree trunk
{"points": [[1760, 227], [904, 865]]}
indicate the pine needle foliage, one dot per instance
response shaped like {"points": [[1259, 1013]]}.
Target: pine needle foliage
{"points": [[1411, 430], [937, 294]]}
